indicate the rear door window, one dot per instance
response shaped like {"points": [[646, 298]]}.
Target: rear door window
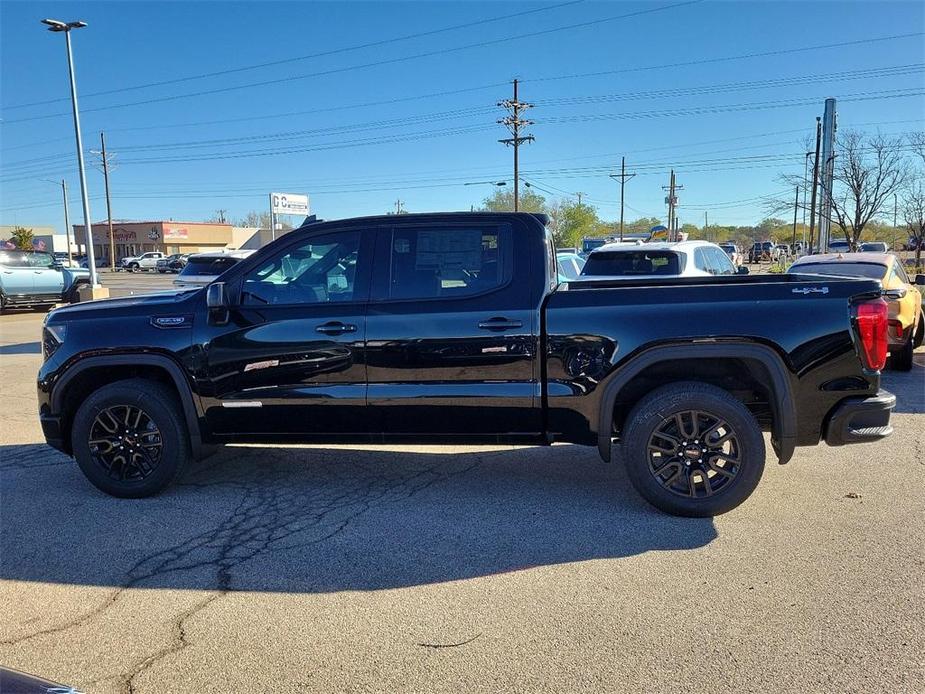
{"points": [[431, 263]]}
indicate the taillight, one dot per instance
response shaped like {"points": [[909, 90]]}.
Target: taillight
{"points": [[871, 319]]}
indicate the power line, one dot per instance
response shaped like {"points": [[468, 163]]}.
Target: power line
{"points": [[795, 80], [743, 56], [389, 61], [322, 54]]}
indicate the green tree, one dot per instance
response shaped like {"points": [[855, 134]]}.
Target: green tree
{"points": [[22, 238], [578, 221], [502, 200]]}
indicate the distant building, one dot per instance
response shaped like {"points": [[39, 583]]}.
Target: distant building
{"points": [[44, 238], [133, 238]]}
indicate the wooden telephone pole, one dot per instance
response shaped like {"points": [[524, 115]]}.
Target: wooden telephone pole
{"points": [[623, 178], [514, 123]]}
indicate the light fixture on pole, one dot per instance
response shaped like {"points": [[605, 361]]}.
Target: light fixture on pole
{"points": [[486, 183], [66, 27]]}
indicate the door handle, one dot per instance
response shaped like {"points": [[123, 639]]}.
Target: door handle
{"points": [[499, 323], [336, 328]]}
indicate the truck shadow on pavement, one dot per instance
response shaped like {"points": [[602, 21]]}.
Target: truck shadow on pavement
{"points": [[303, 519], [22, 348]]}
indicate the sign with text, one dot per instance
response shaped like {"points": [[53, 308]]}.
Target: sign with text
{"points": [[288, 203], [176, 233]]}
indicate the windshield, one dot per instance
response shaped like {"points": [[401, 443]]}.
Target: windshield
{"points": [[632, 263], [869, 270], [26, 259], [210, 267]]}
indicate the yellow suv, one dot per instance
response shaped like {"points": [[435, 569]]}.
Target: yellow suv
{"points": [[906, 321]]}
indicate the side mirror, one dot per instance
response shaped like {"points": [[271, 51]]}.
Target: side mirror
{"points": [[743, 270], [215, 296], [920, 280]]}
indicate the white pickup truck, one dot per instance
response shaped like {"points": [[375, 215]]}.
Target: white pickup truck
{"points": [[145, 261]]}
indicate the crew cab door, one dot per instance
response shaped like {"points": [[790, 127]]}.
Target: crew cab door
{"points": [[451, 345], [47, 277], [291, 358]]}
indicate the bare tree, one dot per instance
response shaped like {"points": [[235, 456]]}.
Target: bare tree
{"points": [[868, 171], [913, 214], [917, 144]]}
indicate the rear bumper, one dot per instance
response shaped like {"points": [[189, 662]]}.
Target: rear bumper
{"points": [[859, 420]]}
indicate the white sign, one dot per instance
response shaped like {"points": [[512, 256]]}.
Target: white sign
{"points": [[287, 203]]}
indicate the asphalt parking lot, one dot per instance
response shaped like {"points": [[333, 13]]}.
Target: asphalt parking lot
{"points": [[369, 568]]}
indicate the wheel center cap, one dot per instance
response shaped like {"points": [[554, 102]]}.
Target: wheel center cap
{"points": [[692, 452]]}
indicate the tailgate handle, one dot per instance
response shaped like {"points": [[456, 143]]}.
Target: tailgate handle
{"points": [[336, 328], [499, 323]]}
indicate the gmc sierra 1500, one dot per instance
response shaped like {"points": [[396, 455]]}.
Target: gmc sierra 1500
{"points": [[447, 328]]}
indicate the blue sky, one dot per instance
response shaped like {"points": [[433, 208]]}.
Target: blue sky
{"points": [[382, 124]]}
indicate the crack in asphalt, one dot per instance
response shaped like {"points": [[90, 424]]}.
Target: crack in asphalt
{"points": [[279, 508]]}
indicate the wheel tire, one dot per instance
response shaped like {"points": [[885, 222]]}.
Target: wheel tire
{"points": [[133, 267], [920, 332], [73, 296], [901, 360], [159, 404], [657, 410]]}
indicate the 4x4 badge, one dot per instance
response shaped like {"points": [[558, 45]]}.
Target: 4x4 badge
{"points": [[811, 290]]}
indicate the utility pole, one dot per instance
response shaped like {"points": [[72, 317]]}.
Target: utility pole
{"points": [[514, 123], [706, 224], [67, 223], [812, 205], [672, 201], [579, 198], [221, 216], [828, 173], [112, 246], [623, 178], [398, 206], [796, 207]]}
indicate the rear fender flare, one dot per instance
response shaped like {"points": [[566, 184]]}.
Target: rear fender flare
{"points": [[784, 432]]}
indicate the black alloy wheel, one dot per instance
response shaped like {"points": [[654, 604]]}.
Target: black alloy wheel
{"points": [[694, 454], [126, 442], [130, 438], [692, 449]]}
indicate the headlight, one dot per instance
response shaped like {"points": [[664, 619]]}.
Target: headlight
{"points": [[52, 338]]}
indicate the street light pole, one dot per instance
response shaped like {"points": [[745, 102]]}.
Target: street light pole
{"points": [[67, 221], [65, 27]]}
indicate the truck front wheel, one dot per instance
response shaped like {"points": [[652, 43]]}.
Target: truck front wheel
{"points": [[692, 449], [129, 439]]}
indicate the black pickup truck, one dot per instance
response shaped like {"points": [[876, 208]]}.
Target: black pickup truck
{"points": [[449, 328]]}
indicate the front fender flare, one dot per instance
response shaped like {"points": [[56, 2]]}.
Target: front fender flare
{"points": [[190, 410], [784, 429]]}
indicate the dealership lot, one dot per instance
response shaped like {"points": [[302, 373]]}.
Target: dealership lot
{"points": [[367, 568]]}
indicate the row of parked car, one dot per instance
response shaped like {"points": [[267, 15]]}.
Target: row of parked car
{"points": [[634, 260]]}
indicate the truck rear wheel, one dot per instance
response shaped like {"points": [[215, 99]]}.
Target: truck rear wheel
{"points": [[129, 439], [692, 449]]}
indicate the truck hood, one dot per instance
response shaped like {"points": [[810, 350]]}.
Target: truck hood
{"points": [[159, 302]]}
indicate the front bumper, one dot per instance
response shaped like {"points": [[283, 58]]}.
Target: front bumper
{"points": [[51, 428], [859, 420]]}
